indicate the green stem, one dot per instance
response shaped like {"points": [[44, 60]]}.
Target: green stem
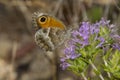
{"points": [[107, 65], [94, 67], [85, 78]]}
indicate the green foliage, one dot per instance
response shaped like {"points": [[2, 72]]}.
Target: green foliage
{"points": [[114, 64], [78, 65]]}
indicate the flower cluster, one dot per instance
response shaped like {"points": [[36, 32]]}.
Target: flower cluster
{"points": [[98, 35]]}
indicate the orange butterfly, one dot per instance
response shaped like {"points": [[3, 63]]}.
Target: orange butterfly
{"points": [[50, 33]]}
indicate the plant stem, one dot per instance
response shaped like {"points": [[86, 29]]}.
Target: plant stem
{"points": [[85, 78], [106, 65], [94, 67]]}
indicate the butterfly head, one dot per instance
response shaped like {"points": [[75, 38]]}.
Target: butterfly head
{"points": [[43, 20], [50, 31]]}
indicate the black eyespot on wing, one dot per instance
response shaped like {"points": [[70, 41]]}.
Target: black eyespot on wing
{"points": [[43, 19]]}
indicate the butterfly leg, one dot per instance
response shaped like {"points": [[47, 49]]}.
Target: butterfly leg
{"points": [[48, 31]]}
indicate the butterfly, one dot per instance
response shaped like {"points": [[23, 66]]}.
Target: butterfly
{"points": [[50, 31]]}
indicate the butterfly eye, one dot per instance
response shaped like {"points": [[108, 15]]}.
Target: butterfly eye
{"points": [[42, 19]]}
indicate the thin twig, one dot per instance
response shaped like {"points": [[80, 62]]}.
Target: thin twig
{"points": [[84, 12], [57, 7], [106, 12], [94, 67], [85, 78], [10, 73], [115, 2], [26, 13], [14, 52], [107, 65]]}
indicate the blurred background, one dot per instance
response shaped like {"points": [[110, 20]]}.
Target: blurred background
{"points": [[20, 57]]}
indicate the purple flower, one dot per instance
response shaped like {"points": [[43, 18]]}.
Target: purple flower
{"points": [[116, 39], [62, 59], [76, 40], [85, 42], [94, 28], [64, 65], [70, 53], [116, 46], [82, 37], [102, 41], [103, 22], [115, 36], [84, 30], [75, 34]]}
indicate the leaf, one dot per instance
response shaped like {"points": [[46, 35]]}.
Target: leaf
{"points": [[114, 65]]}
